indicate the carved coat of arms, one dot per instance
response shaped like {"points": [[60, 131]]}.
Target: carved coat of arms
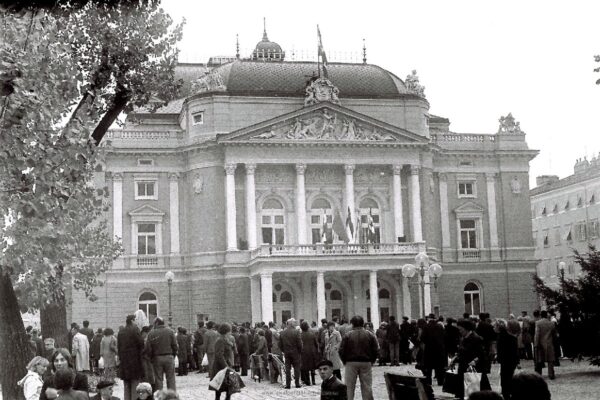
{"points": [[321, 89]]}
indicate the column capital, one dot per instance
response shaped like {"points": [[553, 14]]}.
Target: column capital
{"points": [[443, 177], [117, 176], [397, 169], [414, 169], [490, 176], [349, 169], [300, 169], [320, 273], [266, 274], [174, 176], [250, 168], [230, 168]]}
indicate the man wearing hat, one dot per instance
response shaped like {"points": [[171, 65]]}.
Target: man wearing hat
{"points": [[105, 391], [331, 387], [290, 343]]}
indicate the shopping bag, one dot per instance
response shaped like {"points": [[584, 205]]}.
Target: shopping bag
{"points": [[204, 361], [218, 380], [176, 362], [101, 363], [472, 381], [452, 382]]}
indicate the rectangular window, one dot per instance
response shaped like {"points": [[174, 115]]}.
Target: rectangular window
{"points": [[546, 239], [466, 189], [557, 238], [145, 190], [468, 234], [146, 239], [593, 229], [580, 231], [198, 118]]}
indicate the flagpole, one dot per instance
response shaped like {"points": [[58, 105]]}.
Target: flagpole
{"points": [[318, 54]]}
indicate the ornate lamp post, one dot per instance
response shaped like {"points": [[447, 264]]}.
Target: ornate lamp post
{"points": [[169, 276], [561, 268], [423, 267]]}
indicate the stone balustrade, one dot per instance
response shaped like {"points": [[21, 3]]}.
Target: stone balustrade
{"points": [[343, 249]]}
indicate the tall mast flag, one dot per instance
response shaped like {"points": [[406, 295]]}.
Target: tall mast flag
{"points": [[349, 227], [322, 54], [324, 229], [371, 228]]}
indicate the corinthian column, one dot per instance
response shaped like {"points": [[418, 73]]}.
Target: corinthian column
{"points": [[321, 310], [491, 200], [118, 206], [230, 201], [416, 203], [374, 296], [266, 291], [445, 215], [250, 206], [397, 187], [174, 212], [301, 203]]}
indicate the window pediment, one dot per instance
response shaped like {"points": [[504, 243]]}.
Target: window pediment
{"points": [[469, 209], [147, 213]]}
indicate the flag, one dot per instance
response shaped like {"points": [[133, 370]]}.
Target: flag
{"points": [[349, 226], [324, 229], [370, 228], [338, 227], [322, 53]]}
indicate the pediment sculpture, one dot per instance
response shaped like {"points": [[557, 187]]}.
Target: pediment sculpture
{"points": [[509, 125], [212, 81], [319, 90], [325, 125]]}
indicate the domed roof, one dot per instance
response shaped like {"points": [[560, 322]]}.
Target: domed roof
{"points": [[289, 79], [267, 50]]}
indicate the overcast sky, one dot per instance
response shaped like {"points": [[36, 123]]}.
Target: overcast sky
{"points": [[478, 60]]}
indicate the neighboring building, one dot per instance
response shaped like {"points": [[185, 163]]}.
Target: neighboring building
{"points": [[243, 188], [565, 216]]}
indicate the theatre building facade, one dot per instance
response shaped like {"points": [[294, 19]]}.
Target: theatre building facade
{"points": [[279, 189]]}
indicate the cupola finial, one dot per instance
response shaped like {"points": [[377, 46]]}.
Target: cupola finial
{"points": [[237, 46], [364, 52], [265, 38]]}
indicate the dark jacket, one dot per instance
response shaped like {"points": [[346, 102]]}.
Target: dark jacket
{"points": [[79, 383], [359, 345], [290, 341], [508, 349], [95, 346], [210, 338], [161, 341], [242, 344], [223, 355], [333, 389], [129, 347], [199, 340], [184, 348], [310, 350], [269, 337], [434, 354], [99, 397], [451, 339], [87, 332], [471, 348], [393, 332]]}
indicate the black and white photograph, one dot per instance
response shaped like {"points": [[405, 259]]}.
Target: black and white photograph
{"points": [[299, 200]]}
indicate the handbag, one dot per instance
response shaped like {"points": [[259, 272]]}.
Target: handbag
{"points": [[176, 362], [204, 361], [453, 383], [472, 381], [101, 363]]}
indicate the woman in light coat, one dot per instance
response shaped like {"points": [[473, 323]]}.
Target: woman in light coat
{"points": [[32, 382], [108, 352], [333, 340]]}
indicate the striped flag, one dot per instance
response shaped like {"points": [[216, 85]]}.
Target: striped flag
{"points": [[322, 53], [324, 229], [370, 228], [349, 227]]}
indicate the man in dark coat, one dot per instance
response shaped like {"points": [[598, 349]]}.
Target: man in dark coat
{"points": [[161, 347], [434, 354], [95, 349], [243, 350], [451, 337], [331, 387], [321, 336], [210, 338], [129, 348], [545, 335], [486, 331], [393, 339], [290, 344], [405, 333], [269, 335], [199, 348], [184, 351], [470, 354], [87, 331]]}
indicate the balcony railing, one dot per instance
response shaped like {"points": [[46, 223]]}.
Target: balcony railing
{"points": [[471, 255], [319, 249]]}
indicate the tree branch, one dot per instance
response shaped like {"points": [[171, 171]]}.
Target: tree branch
{"points": [[121, 99]]}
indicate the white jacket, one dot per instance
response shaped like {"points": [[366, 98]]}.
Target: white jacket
{"points": [[32, 385]]}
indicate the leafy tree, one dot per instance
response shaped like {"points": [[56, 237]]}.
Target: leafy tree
{"points": [[579, 299], [66, 73]]}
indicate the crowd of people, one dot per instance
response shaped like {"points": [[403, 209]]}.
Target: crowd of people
{"points": [[145, 355]]}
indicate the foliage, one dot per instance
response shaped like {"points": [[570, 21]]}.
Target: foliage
{"points": [[68, 72], [579, 298]]}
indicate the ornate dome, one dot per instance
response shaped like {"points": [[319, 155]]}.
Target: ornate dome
{"points": [[266, 50]]}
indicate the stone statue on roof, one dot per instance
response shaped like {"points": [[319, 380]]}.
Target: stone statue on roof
{"points": [[319, 90], [508, 125], [212, 81], [413, 85]]}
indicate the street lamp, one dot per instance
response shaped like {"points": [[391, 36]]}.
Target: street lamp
{"points": [[169, 276], [433, 271], [561, 268]]}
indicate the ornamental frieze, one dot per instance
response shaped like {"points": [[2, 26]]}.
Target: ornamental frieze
{"points": [[325, 125]]}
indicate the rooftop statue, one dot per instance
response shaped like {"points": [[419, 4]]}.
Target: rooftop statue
{"points": [[210, 82], [319, 90], [413, 85], [509, 126]]}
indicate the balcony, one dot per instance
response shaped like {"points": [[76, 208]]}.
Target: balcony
{"points": [[142, 139], [153, 261], [469, 255], [343, 249]]}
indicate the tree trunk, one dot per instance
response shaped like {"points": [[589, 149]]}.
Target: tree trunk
{"points": [[53, 322], [14, 343]]}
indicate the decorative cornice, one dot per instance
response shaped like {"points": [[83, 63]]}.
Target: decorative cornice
{"points": [[230, 168]]}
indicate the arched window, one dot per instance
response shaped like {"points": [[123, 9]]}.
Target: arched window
{"points": [[335, 295], [273, 222], [472, 299], [148, 303], [285, 296], [321, 220], [370, 221], [384, 294]]}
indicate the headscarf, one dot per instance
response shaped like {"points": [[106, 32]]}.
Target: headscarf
{"points": [[140, 319]]}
